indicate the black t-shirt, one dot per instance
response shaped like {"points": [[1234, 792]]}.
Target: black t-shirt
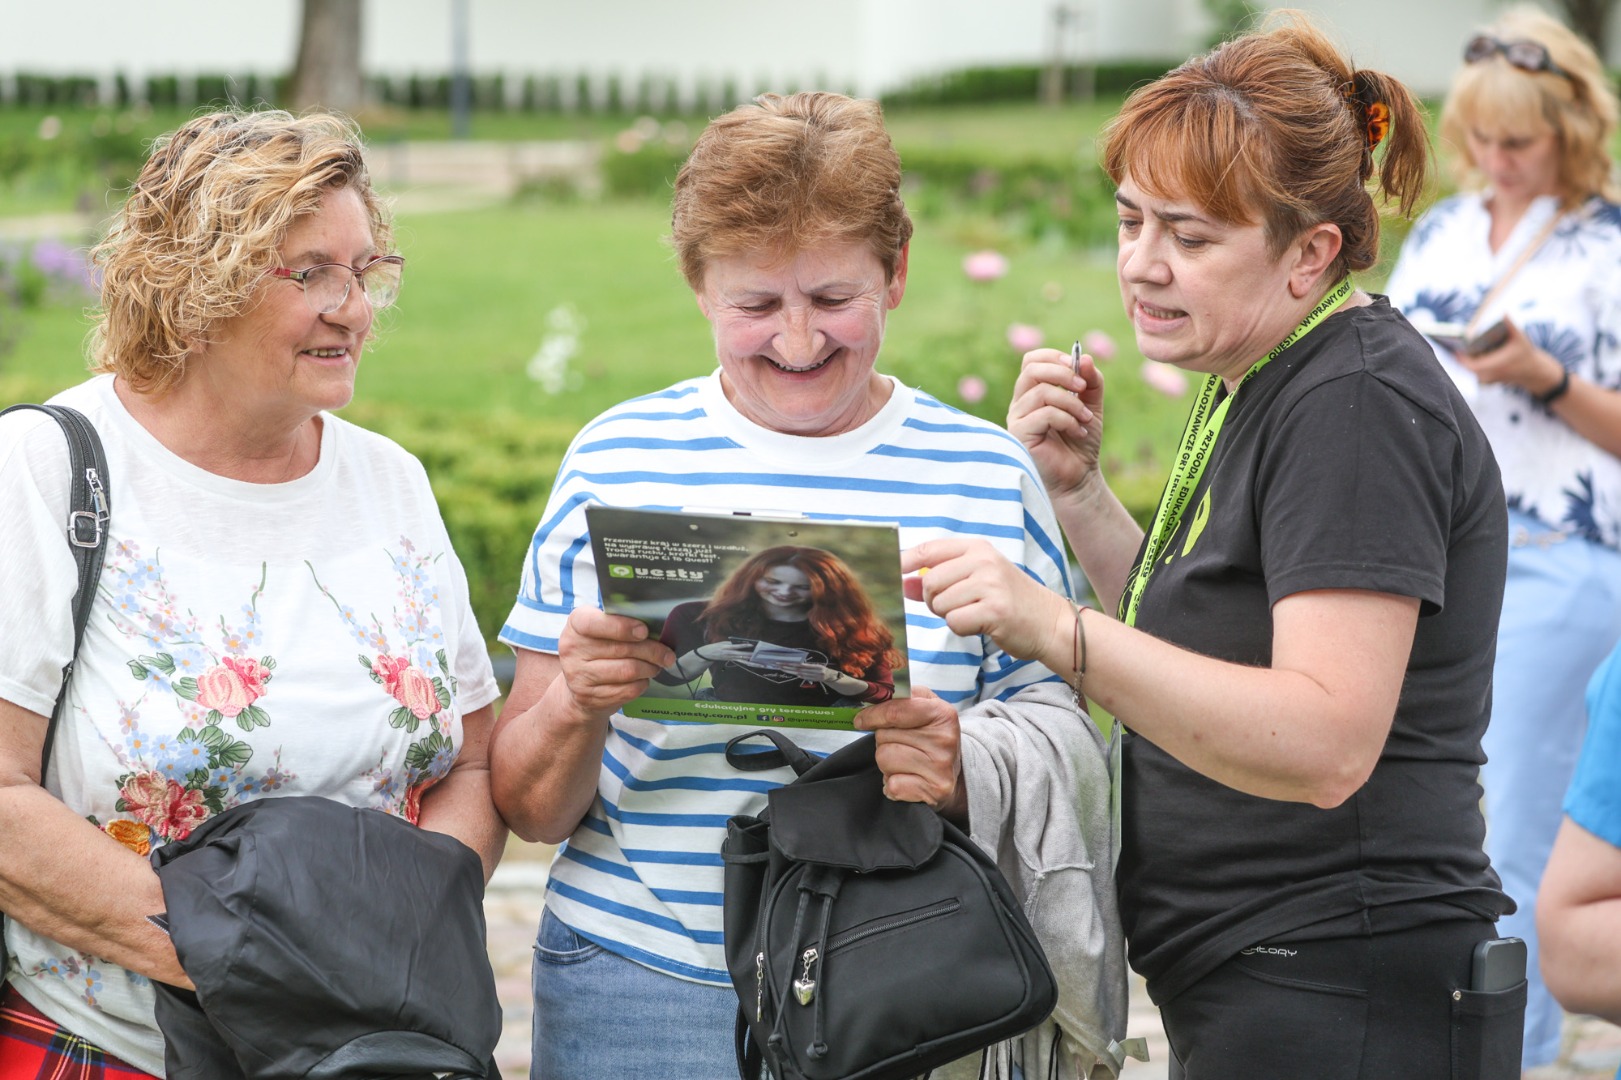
{"points": [[1349, 462]]}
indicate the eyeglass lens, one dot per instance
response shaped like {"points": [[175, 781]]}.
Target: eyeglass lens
{"points": [[326, 287]]}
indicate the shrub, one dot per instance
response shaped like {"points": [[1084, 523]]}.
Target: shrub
{"points": [[163, 91], [1040, 198], [1019, 82], [645, 172]]}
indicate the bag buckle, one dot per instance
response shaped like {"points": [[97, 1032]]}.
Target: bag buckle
{"points": [[84, 529], [84, 526]]}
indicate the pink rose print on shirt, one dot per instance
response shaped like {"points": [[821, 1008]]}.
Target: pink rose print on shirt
{"points": [[409, 663], [387, 670], [232, 685], [169, 809], [415, 691], [420, 696], [229, 689]]}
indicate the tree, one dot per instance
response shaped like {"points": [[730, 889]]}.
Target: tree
{"points": [[1590, 19], [327, 72]]}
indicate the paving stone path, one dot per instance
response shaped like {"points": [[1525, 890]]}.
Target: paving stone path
{"points": [[512, 907]]}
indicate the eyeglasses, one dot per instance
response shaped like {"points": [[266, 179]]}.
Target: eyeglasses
{"points": [[1526, 55], [326, 286]]}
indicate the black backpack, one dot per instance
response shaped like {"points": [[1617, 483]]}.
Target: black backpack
{"points": [[867, 939]]}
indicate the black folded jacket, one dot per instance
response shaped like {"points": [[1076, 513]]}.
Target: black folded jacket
{"points": [[325, 942]]}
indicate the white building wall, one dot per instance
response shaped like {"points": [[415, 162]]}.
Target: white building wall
{"points": [[863, 45]]}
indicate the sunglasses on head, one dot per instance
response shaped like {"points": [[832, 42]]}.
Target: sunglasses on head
{"points": [[1525, 55]]}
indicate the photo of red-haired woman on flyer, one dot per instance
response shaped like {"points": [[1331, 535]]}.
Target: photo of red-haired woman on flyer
{"points": [[791, 626]]}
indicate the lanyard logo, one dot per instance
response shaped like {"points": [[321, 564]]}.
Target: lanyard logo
{"points": [[1201, 518]]}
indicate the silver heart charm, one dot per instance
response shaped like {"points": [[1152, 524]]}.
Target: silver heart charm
{"points": [[804, 990]]}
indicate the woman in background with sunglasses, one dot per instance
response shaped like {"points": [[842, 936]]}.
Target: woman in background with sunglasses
{"points": [[1533, 249]]}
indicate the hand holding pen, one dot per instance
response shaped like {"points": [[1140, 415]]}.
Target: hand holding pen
{"points": [[1057, 413]]}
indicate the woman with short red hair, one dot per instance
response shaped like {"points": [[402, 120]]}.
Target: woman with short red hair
{"points": [[1302, 657]]}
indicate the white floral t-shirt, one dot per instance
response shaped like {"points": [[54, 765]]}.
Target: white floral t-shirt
{"points": [[1567, 300], [307, 638]]}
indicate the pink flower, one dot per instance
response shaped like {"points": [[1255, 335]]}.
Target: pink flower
{"points": [[1024, 337], [232, 686], [389, 669], [168, 809], [1098, 345], [1167, 380], [971, 388], [254, 674], [984, 266], [415, 691]]}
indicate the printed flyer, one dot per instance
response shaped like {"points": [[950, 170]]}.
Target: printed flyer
{"points": [[773, 619]]}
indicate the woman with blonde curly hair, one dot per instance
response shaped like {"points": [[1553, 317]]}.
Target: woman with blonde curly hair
{"points": [[793, 597], [1526, 262], [256, 541]]}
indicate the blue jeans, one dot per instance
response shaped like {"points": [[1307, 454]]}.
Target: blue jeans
{"points": [[599, 1016], [1561, 618]]}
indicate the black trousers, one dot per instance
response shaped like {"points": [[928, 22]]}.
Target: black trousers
{"points": [[1370, 1007]]}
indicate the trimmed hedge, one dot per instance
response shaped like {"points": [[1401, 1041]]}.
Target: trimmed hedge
{"points": [[1020, 82], [554, 92]]}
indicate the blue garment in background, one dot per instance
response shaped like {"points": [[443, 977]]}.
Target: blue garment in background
{"points": [[1561, 618]]}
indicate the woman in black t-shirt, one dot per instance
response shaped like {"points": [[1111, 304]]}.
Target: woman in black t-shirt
{"points": [[1302, 658], [791, 626]]}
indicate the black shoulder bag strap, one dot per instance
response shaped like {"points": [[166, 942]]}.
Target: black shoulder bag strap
{"points": [[88, 513]]}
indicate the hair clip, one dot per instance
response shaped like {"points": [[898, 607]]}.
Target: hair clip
{"points": [[1378, 124]]}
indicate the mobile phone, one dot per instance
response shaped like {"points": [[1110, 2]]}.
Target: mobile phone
{"points": [[1488, 339], [1498, 964]]}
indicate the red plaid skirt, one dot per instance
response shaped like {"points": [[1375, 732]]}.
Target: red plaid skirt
{"points": [[33, 1047]]}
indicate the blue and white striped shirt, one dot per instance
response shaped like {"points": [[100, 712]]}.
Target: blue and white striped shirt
{"points": [[642, 874]]}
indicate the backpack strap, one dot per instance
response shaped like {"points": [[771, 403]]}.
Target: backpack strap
{"points": [[787, 752], [88, 513]]}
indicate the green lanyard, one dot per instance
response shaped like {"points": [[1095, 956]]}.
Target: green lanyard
{"points": [[1198, 438]]}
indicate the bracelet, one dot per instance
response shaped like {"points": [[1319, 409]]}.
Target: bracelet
{"points": [[1078, 656], [1560, 389]]}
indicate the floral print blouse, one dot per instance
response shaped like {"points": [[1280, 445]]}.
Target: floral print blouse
{"points": [[1567, 300], [307, 638]]}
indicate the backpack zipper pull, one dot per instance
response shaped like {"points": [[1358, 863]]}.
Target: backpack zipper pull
{"points": [[759, 988], [805, 986]]}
